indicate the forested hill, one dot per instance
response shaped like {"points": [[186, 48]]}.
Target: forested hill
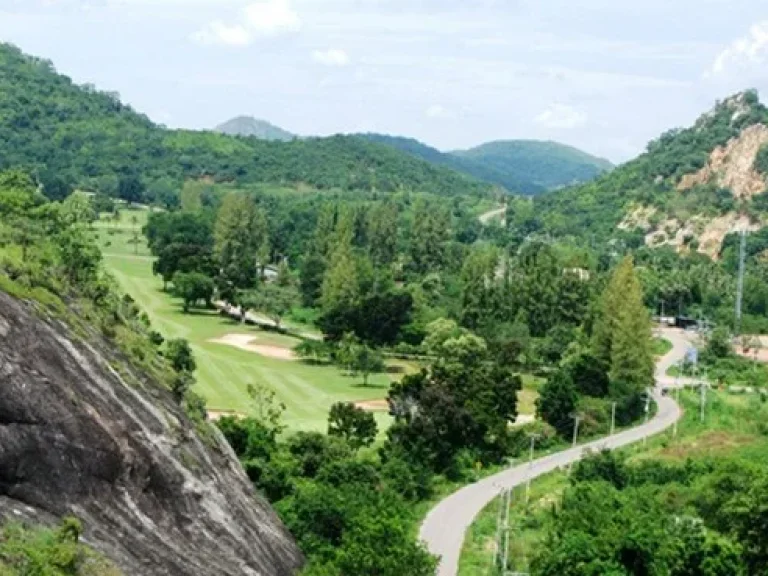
{"points": [[546, 165], [71, 135], [689, 189], [513, 179], [249, 126]]}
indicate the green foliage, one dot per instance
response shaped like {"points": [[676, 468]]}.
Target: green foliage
{"points": [[92, 139], [273, 300], [45, 552], [353, 424], [193, 288], [598, 207], [556, 404], [179, 354], [530, 167], [761, 161], [463, 403]]}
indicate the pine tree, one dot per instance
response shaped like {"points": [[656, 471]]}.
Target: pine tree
{"points": [[240, 238], [622, 337]]}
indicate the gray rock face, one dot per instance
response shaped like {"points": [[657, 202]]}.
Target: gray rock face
{"points": [[77, 438]]}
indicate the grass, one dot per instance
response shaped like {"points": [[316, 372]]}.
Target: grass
{"points": [[661, 346], [734, 426], [224, 372]]}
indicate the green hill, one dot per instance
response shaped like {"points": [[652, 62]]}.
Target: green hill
{"points": [[82, 137], [517, 183], [692, 186], [249, 126], [547, 165]]}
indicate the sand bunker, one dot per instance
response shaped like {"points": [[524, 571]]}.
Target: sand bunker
{"points": [[373, 405], [214, 415], [246, 342]]}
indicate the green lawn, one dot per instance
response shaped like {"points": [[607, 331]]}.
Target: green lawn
{"points": [[224, 372]]}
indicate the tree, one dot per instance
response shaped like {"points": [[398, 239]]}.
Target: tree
{"points": [[239, 236], [462, 402], [719, 344], [382, 233], [77, 209], [179, 354], [17, 192], [314, 351], [192, 288], [478, 293], [131, 189], [354, 424], [273, 300], [557, 402], [588, 375], [622, 334], [267, 408], [365, 361], [429, 234], [311, 276], [340, 284]]}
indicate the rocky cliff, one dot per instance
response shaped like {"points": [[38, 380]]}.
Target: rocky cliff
{"points": [[79, 437]]}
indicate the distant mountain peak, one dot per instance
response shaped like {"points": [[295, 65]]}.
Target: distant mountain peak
{"points": [[254, 127]]}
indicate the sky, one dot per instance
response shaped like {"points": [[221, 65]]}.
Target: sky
{"points": [[603, 75]]}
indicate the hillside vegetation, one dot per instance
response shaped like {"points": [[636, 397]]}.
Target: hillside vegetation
{"points": [[525, 167], [682, 176], [545, 165], [75, 136], [249, 126]]}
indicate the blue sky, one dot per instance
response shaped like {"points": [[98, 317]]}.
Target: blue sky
{"points": [[604, 75]]}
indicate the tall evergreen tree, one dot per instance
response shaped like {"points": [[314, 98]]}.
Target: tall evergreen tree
{"points": [[239, 239], [622, 337]]}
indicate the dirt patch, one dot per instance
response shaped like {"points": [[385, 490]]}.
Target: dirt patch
{"points": [[373, 405], [246, 342], [709, 443]]}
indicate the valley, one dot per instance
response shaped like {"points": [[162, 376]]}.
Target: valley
{"points": [[241, 352]]}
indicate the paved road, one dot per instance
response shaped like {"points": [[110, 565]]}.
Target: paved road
{"points": [[490, 215], [444, 528]]}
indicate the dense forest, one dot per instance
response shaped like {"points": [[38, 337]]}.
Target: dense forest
{"points": [[75, 136]]}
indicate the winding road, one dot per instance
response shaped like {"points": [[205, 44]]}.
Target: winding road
{"points": [[444, 527]]}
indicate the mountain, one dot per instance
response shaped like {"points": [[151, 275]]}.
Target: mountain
{"points": [[689, 189], [525, 167], [249, 126], [478, 170], [90, 139], [548, 165]]}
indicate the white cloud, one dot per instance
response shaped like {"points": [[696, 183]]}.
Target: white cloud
{"points": [[561, 116], [436, 111], [264, 19], [271, 18], [751, 50], [331, 57], [218, 33]]}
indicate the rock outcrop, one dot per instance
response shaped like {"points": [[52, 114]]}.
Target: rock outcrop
{"points": [[732, 165], [77, 438]]}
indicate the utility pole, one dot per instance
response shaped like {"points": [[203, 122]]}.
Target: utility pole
{"points": [[576, 422], [613, 418], [499, 528], [703, 388], [677, 394], [505, 553], [647, 411], [740, 285], [533, 438]]}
